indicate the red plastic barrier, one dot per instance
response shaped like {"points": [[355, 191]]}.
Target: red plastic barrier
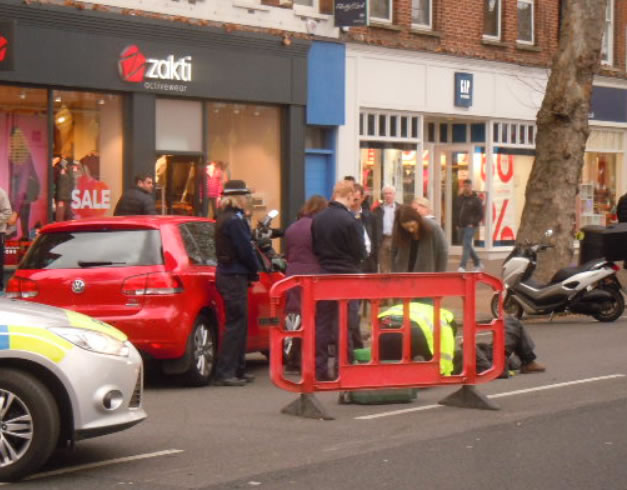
{"points": [[377, 287]]}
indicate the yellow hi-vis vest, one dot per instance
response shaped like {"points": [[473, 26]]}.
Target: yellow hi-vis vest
{"points": [[423, 315]]}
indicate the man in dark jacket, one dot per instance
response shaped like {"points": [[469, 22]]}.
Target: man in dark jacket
{"points": [[237, 268], [138, 200], [338, 242], [470, 214], [621, 209]]}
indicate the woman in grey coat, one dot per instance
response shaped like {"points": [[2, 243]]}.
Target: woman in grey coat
{"points": [[418, 244]]}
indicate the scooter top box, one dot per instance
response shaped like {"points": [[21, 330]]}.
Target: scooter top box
{"points": [[615, 242]]}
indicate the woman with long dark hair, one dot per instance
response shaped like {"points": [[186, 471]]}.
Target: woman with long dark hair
{"points": [[418, 244]]}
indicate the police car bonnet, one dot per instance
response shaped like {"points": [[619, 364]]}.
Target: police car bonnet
{"points": [[235, 187]]}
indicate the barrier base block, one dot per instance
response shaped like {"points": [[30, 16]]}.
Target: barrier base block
{"points": [[468, 397], [308, 406]]}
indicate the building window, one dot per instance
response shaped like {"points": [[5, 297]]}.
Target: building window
{"points": [[390, 155], [306, 3], [421, 14], [246, 140], [380, 10], [525, 21], [492, 19], [607, 46]]}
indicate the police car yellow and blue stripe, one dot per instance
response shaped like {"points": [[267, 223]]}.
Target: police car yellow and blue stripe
{"points": [[41, 341]]}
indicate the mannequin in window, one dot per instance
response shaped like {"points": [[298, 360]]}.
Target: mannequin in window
{"points": [[64, 182], [216, 173], [25, 187]]}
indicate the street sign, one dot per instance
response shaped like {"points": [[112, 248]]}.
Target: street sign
{"points": [[351, 13]]}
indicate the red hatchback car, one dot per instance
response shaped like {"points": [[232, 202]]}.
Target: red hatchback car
{"points": [[153, 277]]}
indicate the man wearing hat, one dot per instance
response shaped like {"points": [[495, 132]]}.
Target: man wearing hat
{"points": [[237, 268]]}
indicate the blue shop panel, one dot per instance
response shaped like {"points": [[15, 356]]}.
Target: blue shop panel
{"points": [[326, 84], [319, 174]]}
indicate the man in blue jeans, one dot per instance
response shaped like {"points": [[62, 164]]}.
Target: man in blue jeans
{"points": [[470, 214]]}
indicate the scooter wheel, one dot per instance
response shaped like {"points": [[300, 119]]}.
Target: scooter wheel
{"points": [[612, 309], [510, 307]]}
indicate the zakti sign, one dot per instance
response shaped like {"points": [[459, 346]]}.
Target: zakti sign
{"points": [[154, 73]]}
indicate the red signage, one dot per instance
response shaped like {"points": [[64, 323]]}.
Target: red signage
{"points": [[135, 67], [132, 64], [91, 198], [4, 44]]}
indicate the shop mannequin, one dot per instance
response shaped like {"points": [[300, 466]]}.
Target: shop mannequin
{"points": [[25, 186], [64, 182], [215, 183]]}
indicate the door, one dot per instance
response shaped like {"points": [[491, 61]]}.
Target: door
{"points": [[452, 166], [178, 184]]}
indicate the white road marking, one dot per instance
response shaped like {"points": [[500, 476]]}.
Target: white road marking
{"points": [[497, 395], [98, 464]]}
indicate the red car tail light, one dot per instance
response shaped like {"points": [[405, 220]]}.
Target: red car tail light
{"points": [[21, 288], [156, 283]]}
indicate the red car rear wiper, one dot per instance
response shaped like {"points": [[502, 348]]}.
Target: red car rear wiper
{"points": [[97, 263]]}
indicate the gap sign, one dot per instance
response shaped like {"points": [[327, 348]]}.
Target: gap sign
{"points": [[463, 89]]}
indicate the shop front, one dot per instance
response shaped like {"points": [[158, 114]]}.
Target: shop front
{"points": [[440, 121], [89, 100]]}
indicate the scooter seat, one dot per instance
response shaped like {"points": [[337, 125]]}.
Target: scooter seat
{"points": [[567, 272]]}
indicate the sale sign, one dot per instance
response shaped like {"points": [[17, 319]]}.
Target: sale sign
{"points": [[91, 198]]}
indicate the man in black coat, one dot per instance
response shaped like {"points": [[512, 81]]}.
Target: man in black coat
{"points": [[138, 200], [338, 242], [621, 209]]}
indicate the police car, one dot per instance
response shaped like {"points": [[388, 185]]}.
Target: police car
{"points": [[63, 377]]}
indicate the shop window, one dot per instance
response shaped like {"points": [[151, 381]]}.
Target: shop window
{"points": [[404, 127], [371, 130], [246, 139], [87, 154], [495, 132], [459, 133], [390, 156], [598, 189], [443, 133], [421, 16], [510, 172], [415, 127], [383, 125], [477, 133], [492, 19], [525, 21], [395, 164], [430, 133], [380, 10], [24, 157]]}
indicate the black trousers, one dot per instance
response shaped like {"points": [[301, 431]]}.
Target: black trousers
{"points": [[234, 291]]}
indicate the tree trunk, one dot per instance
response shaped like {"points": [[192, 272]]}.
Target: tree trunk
{"points": [[550, 196]]}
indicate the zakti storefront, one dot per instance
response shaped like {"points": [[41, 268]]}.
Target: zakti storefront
{"points": [[83, 111], [441, 119]]}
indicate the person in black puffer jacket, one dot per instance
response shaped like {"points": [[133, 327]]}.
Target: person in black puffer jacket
{"points": [[138, 200]]}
